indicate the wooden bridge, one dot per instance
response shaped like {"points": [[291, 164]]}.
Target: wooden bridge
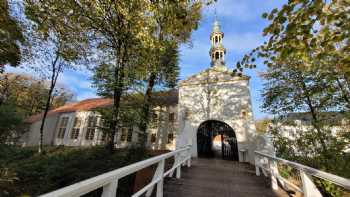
{"points": [[215, 177], [209, 178]]}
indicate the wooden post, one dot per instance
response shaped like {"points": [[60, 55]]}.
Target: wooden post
{"points": [[110, 190]]}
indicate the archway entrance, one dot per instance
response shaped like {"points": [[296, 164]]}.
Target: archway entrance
{"points": [[217, 139]]}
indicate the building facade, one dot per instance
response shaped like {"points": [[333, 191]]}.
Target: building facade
{"points": [[207, 107]]}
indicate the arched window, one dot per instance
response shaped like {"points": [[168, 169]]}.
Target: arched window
{"points": [[217, 55], [216, 39]]}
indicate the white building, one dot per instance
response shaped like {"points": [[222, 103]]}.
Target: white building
{"points": [[211, 104]]}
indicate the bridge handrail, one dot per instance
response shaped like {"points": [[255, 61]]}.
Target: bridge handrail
{"points": [[109, 180], [304, 171]]}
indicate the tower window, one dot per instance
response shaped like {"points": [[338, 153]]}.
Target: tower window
{"points": [[216, 39], [217, 55]]}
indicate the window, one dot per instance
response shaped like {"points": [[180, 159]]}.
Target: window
{"points": [[103, 136], [172, 117], [102, 127], [153, 138], [244, 114], [90, 133], [76, 129], [124, 134], [170, 138], [217, 55], [62, 127], [216, 39], [154, 115], [129, 136]]}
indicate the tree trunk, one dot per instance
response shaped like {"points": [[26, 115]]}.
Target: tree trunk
{"points": [[117, 94], [146, 110], [54, 76], [314, 115], [47, 107]]}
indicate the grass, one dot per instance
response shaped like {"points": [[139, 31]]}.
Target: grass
{"points": [[23, 172]]}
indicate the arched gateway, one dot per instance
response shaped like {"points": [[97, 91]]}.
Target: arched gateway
{"points": [[217, 139], [214, 109]]}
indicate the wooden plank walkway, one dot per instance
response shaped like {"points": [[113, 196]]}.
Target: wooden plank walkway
{"points": [[216, 178]]}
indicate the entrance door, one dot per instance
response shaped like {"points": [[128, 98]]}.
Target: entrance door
{"points": [[217, 139]]}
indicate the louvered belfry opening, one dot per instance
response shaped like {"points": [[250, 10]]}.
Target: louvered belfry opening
{"points": [[216, 139]]}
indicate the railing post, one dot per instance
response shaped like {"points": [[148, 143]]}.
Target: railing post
{"points": [[189, 158], [110, 190], [178, 169], [158, 175], [257, 170], [274, 174], [309, 188]]}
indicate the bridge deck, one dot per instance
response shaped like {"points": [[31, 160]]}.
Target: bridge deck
{"points": [[219, 178]]}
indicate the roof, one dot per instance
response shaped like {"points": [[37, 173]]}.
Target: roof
{"points": [[330, 118], [159, 98], [84, 105]]}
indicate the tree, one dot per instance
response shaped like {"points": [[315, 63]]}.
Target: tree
{"points": [[10, 37], [54, 44], [173, 24], [307, 55], [28, 95], [315, 32], [11, 124], [116, 30]]}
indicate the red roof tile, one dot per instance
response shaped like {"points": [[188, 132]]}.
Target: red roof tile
{"points": [[159, 98], [84, 105]]}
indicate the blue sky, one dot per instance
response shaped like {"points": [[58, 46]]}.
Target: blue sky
{"points": [[242, 25]]}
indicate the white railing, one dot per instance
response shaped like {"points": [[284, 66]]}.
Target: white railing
{"points": [[268, 165], [109, 180]]}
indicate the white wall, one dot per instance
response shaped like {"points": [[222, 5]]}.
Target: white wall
{"points": [[219, 98], [33, 136]]}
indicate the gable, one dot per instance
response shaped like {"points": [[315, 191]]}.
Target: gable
{"points": [[213, 75]]}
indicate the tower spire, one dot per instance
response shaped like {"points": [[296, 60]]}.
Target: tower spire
{"points": [[217, 51]]}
